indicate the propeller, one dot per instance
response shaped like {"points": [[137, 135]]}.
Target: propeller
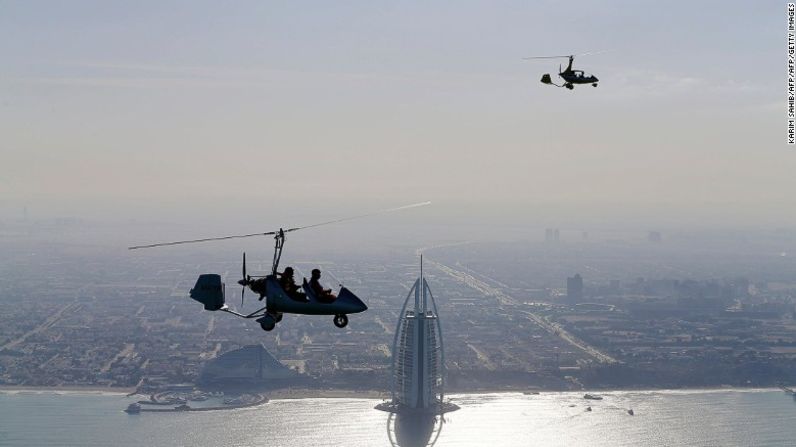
{"points": [[271, 233], [245, 281]]}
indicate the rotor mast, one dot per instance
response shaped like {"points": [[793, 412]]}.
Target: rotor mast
{"points": [[279, 242]]}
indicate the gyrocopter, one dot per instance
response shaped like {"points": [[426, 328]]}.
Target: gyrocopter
{"points": [[281, 294], [571, 77]]}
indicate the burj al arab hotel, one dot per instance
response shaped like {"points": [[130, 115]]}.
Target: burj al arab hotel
{"points": [[418, 368]]}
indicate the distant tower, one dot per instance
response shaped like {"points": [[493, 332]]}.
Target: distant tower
{"points": [[575, 289], [418, 366], [552, 234]]}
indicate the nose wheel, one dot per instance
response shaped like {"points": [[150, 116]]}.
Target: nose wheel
{"points": [[341, 320], [267, 323]]}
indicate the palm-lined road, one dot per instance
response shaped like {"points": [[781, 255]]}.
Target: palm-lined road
{"points": [[551, 327]]}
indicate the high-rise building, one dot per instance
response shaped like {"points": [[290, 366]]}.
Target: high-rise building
{"points": [[552, 234], [575, 289], [418, 369]]}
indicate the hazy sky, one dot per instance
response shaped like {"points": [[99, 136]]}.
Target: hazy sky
{"points": [[109, 109]]}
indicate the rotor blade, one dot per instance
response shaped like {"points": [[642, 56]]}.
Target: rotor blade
{"points": [[588, 53], [591, 53], [375, 213], [243, 275], [545, 57], [163, 244]]}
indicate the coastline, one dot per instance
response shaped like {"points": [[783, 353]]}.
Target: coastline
{"points": [[306, 393], [309, 393], [66, 389]]}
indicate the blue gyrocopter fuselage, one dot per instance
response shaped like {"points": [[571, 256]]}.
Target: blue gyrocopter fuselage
{"points": [[210, 291]]}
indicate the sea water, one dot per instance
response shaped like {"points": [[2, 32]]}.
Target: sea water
{"points": [[661, 418]]}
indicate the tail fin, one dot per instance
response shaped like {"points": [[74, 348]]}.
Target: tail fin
{"points": [[209, 290]]}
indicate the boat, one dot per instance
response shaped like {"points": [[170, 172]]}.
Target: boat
{"points": [[592, 397], [133, 408], [588, 408], [630, 412]]}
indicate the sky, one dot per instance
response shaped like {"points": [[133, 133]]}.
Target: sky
{"points": [[180, 110]]}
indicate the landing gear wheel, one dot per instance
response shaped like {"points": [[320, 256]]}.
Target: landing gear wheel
{"points": [[569, 86], [341, 320], [594, 85], [268, 323]]}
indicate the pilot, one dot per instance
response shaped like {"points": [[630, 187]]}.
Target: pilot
{"points": [[289, 285], [324, 295]]}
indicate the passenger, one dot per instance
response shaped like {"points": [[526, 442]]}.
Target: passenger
{"points": [[323, 295], [290, 287]]}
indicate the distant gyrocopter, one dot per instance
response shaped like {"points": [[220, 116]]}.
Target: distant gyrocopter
{"points": [[570, 76], [278, 289]]}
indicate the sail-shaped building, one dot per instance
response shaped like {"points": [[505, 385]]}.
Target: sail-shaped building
{"points": [[418, 367]]}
